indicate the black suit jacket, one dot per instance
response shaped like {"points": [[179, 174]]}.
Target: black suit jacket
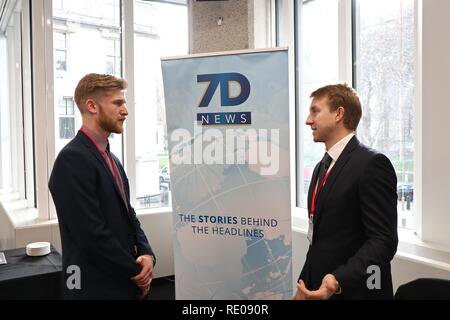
{"points": [[98, 233], [355, 225]]}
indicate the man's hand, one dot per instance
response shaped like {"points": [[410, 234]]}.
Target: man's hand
{"points": [[329, 287], [299, 295], [144, 278]]}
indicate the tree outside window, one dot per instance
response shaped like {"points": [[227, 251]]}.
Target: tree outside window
{"points": [[384, 78]]}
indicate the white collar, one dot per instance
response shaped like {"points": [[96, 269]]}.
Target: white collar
{"points": [[336, 150]]}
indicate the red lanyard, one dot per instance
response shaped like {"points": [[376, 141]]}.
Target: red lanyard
{"points": [[316, 192]]}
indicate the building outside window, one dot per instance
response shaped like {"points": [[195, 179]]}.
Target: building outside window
{"points": [[60, 44], [89, 27], [161, 29], [97, 24], [58, 5], [113, 60], [66, 118]]}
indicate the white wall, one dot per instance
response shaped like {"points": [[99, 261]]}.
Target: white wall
{"points": [[435, 155]]}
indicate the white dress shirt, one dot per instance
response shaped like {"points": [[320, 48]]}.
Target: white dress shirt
{"points": [[336, 150]]}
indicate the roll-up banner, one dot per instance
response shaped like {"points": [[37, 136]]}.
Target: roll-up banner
{"points": [[228, 133]]}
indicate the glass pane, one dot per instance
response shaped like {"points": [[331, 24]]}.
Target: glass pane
{"points": [[155, 36], [319, 67], [110, 47], [60, 60], [12, 63], [385, 82], [66, 127], [62, 110], [81, 26], [110, 66], [112, 57], [58, 5], [59, 41], [70, 106]]}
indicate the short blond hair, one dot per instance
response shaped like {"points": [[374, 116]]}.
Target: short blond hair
{"points": [[93, 84]]}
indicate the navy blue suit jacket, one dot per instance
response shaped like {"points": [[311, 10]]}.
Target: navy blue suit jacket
{"points": [[355, 225], [98, 233]]}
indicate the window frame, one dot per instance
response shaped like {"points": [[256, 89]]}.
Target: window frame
{"points": [[287, 34], [43, 79], [18, 98], [292, 38], [285, 37], [43, 72]]}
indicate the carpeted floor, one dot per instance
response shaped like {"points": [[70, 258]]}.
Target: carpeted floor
{"points": [[162, 289]]}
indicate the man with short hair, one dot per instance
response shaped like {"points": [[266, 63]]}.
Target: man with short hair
{"points": [[100, 232], [352, 207]]}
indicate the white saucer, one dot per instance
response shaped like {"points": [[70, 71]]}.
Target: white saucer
{"points": [[37, 249]]}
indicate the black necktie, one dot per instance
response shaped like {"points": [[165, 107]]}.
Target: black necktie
{"points": [[324, 165]]}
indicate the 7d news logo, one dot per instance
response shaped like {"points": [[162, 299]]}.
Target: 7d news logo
{"points": [[227, 99]]}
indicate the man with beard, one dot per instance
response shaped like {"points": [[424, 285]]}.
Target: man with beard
{"points": [[100, 233]]}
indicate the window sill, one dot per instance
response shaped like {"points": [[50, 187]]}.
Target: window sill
{"points": [[22, 217], [153, 211]]}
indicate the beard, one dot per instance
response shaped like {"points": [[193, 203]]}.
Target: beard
{"points": [[317, 137], [108, 124], [323, 133]]}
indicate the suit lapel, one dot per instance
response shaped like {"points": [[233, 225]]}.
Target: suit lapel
{"points": [[334, 174], [93, 149]]}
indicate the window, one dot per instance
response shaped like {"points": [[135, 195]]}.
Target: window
{"points": [[155, 36], [66, 118], [384, 77], [111, 10], [375, 52], [60, 44], [16, 164], [113, 61], [92, 36], [319, 65], [58, 5]]}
